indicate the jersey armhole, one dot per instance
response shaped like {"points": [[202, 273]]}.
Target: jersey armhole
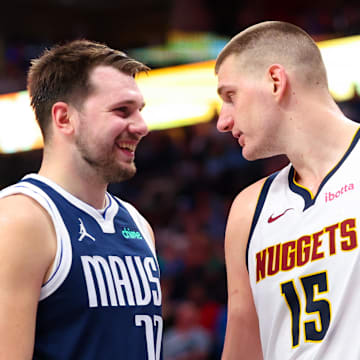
{"points": [[63, 258], [259, 205]]}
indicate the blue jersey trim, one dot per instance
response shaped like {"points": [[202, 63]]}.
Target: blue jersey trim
{"points": [[108, 207], [263, 193], [305, 193]]}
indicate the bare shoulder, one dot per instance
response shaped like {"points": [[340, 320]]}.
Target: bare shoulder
{"points": [[242, 340], [239, 224], [26, 227], [27, 249], [243, 208], [22, 210]]}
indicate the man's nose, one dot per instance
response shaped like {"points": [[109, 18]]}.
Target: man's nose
{"points": [[225, 121], [138, 125]]}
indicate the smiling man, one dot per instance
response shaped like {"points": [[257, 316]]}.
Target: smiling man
{"points": [[291, 246], [72, 285]]}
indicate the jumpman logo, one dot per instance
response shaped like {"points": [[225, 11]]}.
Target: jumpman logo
{"points": [[83, 233]]}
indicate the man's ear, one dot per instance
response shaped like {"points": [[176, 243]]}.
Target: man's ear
{"points": [[61, 117], [278, 80]]}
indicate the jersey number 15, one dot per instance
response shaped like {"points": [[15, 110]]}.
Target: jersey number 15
{"points": [[312, 285]]}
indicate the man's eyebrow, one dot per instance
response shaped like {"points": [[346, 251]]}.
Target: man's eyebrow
{"points": [[220, 90], [129, 102]]}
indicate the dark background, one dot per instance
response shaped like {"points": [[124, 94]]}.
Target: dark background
{"points": [[187, 177]]}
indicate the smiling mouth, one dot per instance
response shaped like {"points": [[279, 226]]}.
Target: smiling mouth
{"points": [[127, 150], [127, 146]]}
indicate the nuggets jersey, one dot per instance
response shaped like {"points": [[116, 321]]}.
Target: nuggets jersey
{"points": [[103, 298], [304, 264]]}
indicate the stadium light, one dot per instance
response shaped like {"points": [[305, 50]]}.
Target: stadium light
{"points": [[179, 95]]}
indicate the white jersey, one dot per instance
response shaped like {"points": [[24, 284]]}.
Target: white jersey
{"points": [[304, 264]]}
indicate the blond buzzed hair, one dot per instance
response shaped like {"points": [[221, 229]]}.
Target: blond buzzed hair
{"points": [[277, 42]]}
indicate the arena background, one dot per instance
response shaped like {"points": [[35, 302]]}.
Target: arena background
{"points": [[187, 176]]}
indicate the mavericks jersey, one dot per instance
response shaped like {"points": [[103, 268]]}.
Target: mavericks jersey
{"points": [[103, 298], [304, 264]]}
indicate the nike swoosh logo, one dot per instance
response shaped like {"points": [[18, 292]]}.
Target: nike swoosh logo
{"points": [[272, 219]]}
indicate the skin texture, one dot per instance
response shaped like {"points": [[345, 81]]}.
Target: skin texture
{"points": [[242, 339], [25, 259], [248, 103], [96, 135], [268, 113], [95, 143]]}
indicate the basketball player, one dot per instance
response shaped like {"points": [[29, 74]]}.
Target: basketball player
{"points": [[291, 245], [79, 277]]}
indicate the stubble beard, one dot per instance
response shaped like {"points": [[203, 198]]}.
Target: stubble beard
{"points": [[104, 164]]}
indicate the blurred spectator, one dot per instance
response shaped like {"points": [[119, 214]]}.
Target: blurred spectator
{"points": [[196, 172], [186, 339]]}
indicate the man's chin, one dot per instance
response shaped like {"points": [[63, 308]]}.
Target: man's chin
{"points": [[123, 174], [247, 155], [250, 155]]}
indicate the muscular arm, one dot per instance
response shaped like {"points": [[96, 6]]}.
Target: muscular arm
{"points": [[242, 340], [27, 248]]}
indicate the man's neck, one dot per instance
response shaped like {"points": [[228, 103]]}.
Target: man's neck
{"points": [[87, 190], [322, 154]]}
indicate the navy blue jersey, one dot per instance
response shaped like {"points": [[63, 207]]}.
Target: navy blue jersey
{"points": [[103, 298]]}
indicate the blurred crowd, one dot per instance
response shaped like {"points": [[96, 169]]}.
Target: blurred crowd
{"points": [[322, 19], [186, 180]]}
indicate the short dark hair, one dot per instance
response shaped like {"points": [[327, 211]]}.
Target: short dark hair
{"points": [[62, 74], [270, 42]]}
